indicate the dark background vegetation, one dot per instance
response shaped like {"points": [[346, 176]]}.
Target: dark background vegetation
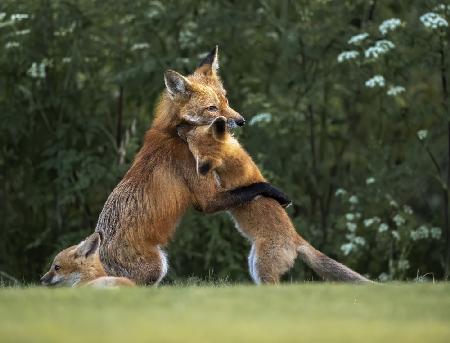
{"points": [[79, 80]]}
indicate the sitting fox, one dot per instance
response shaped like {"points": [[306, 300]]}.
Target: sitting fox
{"points": [[275, 242], [140, 215], [80, 265]]}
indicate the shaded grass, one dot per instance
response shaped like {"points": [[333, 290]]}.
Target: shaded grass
{"points": [[288, 313]]}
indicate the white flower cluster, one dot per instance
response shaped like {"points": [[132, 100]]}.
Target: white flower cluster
{"points": [[395, 90], [351, 227], [347, 55], [370, 180], [433, 20], [422, 232], [443, 8], [393, 203], [261, 118], [22, 32], [436, 232], [340, 191], [360, 240], [422, 134], [383, 227], [407, 209], [66, 60], [11, 45], [389, 25], [347, 248], [19, 16], [358, 38], [352, 216], [399, 220], [353, 200], [38, 70], [375, 81], [369, 221], [140, 46], [355, 241], [381, 47], [2, 15]]}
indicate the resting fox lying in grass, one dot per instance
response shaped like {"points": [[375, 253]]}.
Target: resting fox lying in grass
{"points": [[80, 265], [275, 242]]}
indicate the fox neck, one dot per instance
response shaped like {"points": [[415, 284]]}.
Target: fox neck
{"points": [[166, 118]]}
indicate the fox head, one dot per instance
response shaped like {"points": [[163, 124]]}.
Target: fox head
{"points": [[75, 264], [196, 99], [208, 143]]}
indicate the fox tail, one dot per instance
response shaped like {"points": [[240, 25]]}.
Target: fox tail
{"points": [[326, 267]]}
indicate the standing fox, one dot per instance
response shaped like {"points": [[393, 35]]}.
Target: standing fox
{"points": [[275, 242], [80, 265], [141, 214]]}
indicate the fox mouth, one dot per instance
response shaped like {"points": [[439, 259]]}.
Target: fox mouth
{"points": [[52, 283]]}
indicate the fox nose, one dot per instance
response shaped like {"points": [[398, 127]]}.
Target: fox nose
{"points": [[43, 281], [232, 123], [240, 122]]}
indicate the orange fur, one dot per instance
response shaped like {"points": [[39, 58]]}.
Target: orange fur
{"points": [[80, 265], [275, 242], [141, 214]]}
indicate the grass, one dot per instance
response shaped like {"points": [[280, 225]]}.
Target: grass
{"points": [[288, 313]]}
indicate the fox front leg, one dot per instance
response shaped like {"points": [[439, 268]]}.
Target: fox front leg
{"points": [[226, 200]]}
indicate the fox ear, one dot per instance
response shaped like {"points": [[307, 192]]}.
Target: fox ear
{"points": [[219, 128], [176, 84], [210, 64], [89, 246]]}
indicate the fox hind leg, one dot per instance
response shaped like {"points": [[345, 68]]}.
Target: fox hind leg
{"points": [[164, 266], [252, 259], [271, 259], [146, 267]]}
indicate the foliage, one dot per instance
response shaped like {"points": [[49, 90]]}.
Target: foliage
{"points": [[347, 104]]}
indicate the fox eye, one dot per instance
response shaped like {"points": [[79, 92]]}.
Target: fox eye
{"points": [[57, 267], [212, 108]]}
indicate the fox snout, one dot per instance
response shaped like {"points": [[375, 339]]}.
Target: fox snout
{"points": [[233, 123], [48, 279], [45, 280], [234, 119]]}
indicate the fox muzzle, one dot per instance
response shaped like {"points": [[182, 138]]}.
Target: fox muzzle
{"points": [[48, 279]]}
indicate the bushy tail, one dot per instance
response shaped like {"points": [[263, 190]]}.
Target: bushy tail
{"points": [[326, 267]]}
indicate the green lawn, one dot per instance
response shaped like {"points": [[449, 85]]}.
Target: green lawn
{"points": [[291, 313]]}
